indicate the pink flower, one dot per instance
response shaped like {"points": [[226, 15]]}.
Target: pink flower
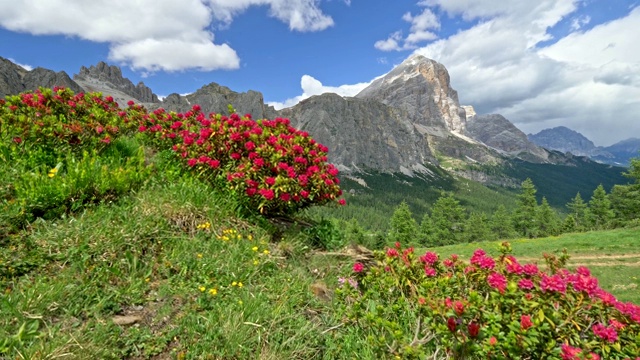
{"points": [[358, 267], [249, 145], [493, 341], [130, 103], [17, 140], [214, 164], [569, 352], [99, 129], [342, 202], [235, 156], [477, 256], [270, 181], [192, 162], [607, 333], [525, 284], [458, 307], [429, 258], [553, 283], [429, 271], [196, 108], [531, 269], [304, 194], [497, 281], [285, 197], [392, 252], [266, 193], [525, 322], [448, 263], [487, 263]]}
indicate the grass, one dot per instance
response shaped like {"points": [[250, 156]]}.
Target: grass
{"points": [[612, 256], [174, 271]]}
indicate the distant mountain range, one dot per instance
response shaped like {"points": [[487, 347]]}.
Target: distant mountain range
{"points": [[569, 141], [408, 121]]}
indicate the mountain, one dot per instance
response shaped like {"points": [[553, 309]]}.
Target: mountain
{"points": [[15, 79], [407, 123], [623, 151], [109, 81], [569, 141], [496, 131], [215, 98]]}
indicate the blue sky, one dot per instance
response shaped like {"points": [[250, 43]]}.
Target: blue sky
{"points": [[541, 63]]}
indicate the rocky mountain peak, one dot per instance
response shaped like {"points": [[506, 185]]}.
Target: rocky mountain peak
{"points": [[565, 140], [422, 88], [107, 78]]}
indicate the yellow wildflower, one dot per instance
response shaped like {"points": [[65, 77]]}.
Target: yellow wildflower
{"points": [[250, 237], [202, 288], [256, 262], [266, 252], [240, 284], [255, 248], [234, 283], [213, 291], [199, 256]]}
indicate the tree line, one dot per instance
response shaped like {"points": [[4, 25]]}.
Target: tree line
{"points": [[448, 222]]}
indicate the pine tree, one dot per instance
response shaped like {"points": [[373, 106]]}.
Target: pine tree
{"points": [[601, 214], [547, 219], [625, 199], [524, 218], [501, 224], [354, 233], [425, 231], [579, 210], [447, 221], [477, 228], [403, 227]]}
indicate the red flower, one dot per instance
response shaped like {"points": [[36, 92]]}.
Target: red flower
{"points": [[266, 193], [392, 252], [493, 341], [458, 307], [249, 145], [525, 322], [130, 103], [285, 197], [553, 283], [429, 258], [304, 194], [213, 163], [451, 324], [429, 271], [196, 108], [497, 281], [397, 245], [525, 284], [474, 329], [235, 156], [607, 333], [530, 269], [358, 267], [17, 140], [342, 202], [569, 352], [192, 162], [270, 181]]}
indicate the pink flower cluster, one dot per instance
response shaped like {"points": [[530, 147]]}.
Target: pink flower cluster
{"points": [[279, 168]]}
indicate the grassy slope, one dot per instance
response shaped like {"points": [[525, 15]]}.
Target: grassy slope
{"points": [[612, 256], [154, 258]]}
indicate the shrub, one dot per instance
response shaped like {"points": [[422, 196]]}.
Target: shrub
{"points": [[273, 167], [412, 306]]}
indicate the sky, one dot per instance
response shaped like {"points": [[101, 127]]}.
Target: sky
{"points": [[541, 64]]}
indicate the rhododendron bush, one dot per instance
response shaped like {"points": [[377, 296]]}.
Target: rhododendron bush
{"points": [[276, 168], [411, 306], [47, 135]]}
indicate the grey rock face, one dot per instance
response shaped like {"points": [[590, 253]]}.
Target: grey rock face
{"points": [[496, 131], [421, 87], [14, 79], [105, 78], [362, 133], [214, 98], [565, 140]]}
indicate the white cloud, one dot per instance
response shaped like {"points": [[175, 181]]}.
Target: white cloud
{"points": [[419, 32], [153, 35], [24, 66], [580, 21], [587, 80], [311, 86]]}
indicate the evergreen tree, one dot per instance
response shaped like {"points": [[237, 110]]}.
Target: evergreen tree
{"points": [[547, 219], [501, 224], [579, 212], [524, 218], [402, 226], [601, 214], [447, 221], [625, 199], [354, 233], [477, 228], [569, 224], [426, 229]]}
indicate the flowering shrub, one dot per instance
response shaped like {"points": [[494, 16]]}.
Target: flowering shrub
{"points": [[275, 168], [59, 151], [412, 306]]}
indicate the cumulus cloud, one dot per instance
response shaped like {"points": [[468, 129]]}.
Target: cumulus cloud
{"points": [[586, 80], [421, 25], [155, 35], [311, 86]]}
